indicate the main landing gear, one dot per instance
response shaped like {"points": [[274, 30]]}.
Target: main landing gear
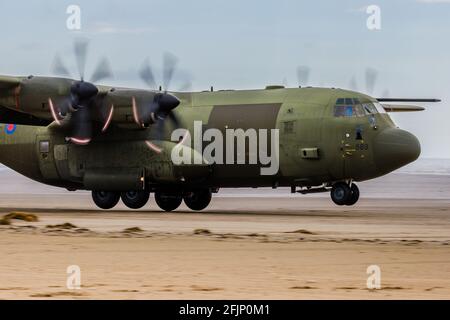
{"points": [[343, 194], [105, 199], [198, 199], [109, 199], [135, 199], [167, 199], [170, 200]]}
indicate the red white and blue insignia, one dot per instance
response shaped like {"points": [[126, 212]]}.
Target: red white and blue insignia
{"points": [[10, 128]]}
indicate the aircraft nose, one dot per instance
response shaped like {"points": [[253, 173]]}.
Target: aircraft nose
{"points": [[395, 148]]}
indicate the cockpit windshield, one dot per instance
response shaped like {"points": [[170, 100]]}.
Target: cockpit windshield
{"points": [[352, 107]]}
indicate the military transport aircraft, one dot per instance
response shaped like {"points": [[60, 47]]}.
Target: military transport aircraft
{"points": [[117, 142]]}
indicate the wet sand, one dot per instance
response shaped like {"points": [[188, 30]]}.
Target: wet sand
{"points": [[248, 245]]}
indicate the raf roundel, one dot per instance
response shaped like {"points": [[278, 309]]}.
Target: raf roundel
{"points": [[10, 128]]}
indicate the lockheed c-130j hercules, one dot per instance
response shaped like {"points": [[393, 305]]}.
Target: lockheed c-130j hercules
{"points": [[118, 142]]}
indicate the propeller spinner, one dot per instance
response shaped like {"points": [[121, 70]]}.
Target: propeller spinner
{"points": [[161, 107], [80, 100]]}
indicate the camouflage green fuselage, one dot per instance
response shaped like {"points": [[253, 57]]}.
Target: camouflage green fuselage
{"points": [[315, 145]]}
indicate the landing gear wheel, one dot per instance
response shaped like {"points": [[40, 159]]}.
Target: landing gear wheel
{"points": [[340, 193], [198, 199], [135, 199], [105, 199], [168, 200], [354, 196]]}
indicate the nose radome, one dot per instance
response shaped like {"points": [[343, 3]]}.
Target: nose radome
{"points": [[395, 148]]}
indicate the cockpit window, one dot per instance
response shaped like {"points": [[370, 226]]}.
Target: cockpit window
{"points": [[345, 111], [339, 111], [379, 107], [359, 111], [352, 107], [369, 108], [348, 111], [349, 101]]}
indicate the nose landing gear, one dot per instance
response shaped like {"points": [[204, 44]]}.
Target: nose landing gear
{"points": [[344, 195], [354, 196]]}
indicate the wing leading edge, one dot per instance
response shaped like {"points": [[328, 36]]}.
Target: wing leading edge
{"points": [[401, 108], [9, 82], [404, 108], [8, 116]]}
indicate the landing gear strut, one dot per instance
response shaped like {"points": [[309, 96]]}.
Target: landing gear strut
{"points": [[168, 200], [354, 196], [344, 195], [135, 199], [105, 199], [198, 199]]}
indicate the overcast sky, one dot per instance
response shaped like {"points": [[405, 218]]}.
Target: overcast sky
{"points": [[251, 43]]}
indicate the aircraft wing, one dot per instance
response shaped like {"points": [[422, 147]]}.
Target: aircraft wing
{"points": [[406, 100], [9, 82], [404, 108], [8, 116], [401, 108]]}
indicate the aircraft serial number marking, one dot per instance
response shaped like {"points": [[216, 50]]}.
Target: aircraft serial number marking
{"points": [[362, 146]]}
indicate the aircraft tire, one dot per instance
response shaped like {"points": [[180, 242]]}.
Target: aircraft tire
{"points": [[354, 196], [168, 200], [135, 199], [340, 193], [198, 200], [105, 199]]}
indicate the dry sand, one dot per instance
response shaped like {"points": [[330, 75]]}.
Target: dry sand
{"points": [[247, 245]]}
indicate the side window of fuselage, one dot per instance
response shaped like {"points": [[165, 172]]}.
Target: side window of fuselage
{"points": [[44, 146]]}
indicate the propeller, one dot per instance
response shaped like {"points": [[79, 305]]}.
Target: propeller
{"points": [[303, 75], [161, 107], [353, 84], [386, 93], [82, 95], [371, 79]]}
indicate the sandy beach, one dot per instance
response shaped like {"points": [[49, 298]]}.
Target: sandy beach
{"points": [[250, 244]]}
